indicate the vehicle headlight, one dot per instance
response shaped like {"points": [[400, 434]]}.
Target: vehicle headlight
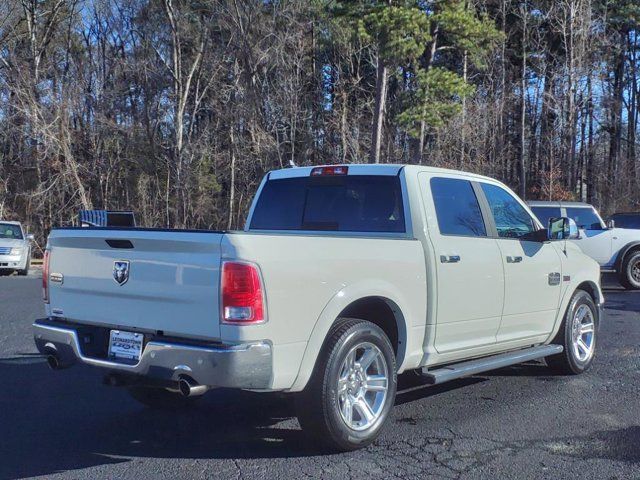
{"points": [[16, 251]]}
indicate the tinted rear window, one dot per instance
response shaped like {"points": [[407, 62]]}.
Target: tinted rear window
{"points": [[457, 208], [351, 203], [546, 213]]}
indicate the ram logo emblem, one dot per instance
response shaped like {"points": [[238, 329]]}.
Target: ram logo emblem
{"points": [[121, 271]]}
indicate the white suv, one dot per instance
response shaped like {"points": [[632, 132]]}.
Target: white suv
{"points": [[617, 250], [15, 248]]}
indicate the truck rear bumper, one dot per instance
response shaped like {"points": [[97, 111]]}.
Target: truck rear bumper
{"points": [[243, 366]]}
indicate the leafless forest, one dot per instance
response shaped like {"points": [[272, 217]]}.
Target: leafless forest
{"points": [[176, 108]]}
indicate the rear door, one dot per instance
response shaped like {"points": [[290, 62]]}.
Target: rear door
{"points": [[141, 280], [532, 269], [470, 289]]}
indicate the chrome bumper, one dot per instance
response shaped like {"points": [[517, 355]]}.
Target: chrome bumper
{"points": [[245, 366]]}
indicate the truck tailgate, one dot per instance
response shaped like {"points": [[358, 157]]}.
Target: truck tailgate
{"points": [[168, 279]]}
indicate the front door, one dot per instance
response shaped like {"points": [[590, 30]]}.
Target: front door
{"points": [[532, 269], [470, 287], [595, 239]]}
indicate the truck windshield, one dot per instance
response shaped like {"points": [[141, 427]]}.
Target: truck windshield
{"points": [[351, 203], [9, 230]]}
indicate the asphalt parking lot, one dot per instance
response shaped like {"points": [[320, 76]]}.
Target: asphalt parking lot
{"points": [[518, 422]]}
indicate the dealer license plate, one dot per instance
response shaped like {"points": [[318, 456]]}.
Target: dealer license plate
{"points": [[125, 345]]}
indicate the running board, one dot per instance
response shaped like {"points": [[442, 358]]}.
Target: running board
{"points": [[472, 367]]}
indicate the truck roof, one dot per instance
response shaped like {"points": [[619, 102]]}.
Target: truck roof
{"points": [[10, 222], [370, 169], [559, 204]]}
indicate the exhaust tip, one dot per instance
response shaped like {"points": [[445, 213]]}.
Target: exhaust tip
{"points": [[185, 387], [190, 388], [53, 362]]}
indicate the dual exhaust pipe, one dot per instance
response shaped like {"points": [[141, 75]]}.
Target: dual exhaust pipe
{"points": [[54, 361], [187, 386]]}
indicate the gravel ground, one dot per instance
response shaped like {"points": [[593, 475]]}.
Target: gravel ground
{"points": [[518, 422]]}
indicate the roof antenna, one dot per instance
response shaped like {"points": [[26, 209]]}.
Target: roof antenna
{"points": [[292, 164]]}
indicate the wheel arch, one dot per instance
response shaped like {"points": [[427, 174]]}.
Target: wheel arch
{"points": [[590, 285], [624, 251], [377, 307], [384, 313]]}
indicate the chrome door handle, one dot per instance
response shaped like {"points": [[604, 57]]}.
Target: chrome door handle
{"points": [[514, 259], [449, 258]]}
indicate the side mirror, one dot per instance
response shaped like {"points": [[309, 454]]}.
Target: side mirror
{"points": [[31, 237], [562, 228], [611, 223]]}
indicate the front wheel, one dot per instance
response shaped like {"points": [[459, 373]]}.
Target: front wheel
{"points": [[577, 335], [353, 387], [630, 272], [25, 272]]}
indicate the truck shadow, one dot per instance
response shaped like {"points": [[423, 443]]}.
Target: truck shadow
{"points": [[63, 421]]}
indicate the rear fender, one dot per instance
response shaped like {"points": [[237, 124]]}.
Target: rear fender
{"points": [[340, 301]]}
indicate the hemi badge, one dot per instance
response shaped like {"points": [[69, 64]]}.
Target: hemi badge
{"points": [[567, 278], [56, 278], [554, 279]]}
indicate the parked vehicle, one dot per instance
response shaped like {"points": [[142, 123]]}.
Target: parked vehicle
{"points": [[626, 220], [617, 250], [15, 248], [106, 218], [343, 277]]}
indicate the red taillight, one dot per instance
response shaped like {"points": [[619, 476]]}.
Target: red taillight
{"points": [[242, 295], [45, 277], [336, 170]]}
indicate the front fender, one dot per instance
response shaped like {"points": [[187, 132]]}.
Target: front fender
{"points": [[410, 337], [584, 275]]}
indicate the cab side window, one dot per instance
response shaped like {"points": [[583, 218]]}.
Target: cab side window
{"points": [[512, 220], [457, 208]]}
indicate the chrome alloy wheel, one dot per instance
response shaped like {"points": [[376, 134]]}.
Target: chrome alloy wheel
{"points": [[362, 386], [583, 333], [635, 270]]}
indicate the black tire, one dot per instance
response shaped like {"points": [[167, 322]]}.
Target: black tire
{"points": [[630, 263], [161, 398], [568, 362], [25, 272], [318, 406]]}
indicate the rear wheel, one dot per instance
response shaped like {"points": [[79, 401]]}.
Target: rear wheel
{"points": [[630, 272], [353, 387], [577, 335], [160, 398]]}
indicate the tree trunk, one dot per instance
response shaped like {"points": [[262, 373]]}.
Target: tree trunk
{"points": [[378, 113]]}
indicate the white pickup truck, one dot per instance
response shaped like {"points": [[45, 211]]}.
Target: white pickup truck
{"points": [[617, 250], [343, 277]]}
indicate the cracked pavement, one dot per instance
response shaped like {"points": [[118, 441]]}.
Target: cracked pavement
{"points": [[518, 422]]}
